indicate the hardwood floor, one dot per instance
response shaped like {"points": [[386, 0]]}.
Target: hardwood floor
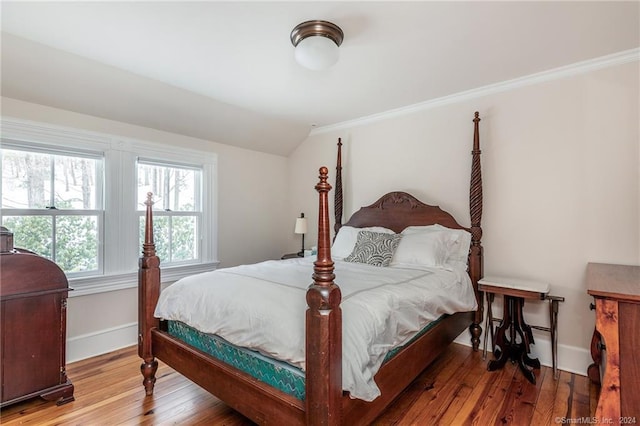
{"points": [[456, 389]]}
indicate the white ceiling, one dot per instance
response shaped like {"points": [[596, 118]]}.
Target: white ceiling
{"points": [[224, 71]]}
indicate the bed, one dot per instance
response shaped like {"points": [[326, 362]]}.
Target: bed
{"points": [[307, 385]]}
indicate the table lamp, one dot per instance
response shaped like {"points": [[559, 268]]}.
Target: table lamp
{"points": [[301, 228]]}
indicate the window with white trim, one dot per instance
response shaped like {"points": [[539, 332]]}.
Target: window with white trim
{"points": [[77, 197], [177, 208], [52, 201]]}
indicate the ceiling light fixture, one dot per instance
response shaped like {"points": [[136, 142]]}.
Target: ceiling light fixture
{"points": [[316, 44]]}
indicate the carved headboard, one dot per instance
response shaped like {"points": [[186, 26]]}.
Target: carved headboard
{"points": [[397, 210]]}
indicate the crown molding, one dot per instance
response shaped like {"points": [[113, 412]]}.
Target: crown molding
{"points": [[626, 56]]}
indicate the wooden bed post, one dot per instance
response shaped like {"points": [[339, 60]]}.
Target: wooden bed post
{"points": [[337, 207], [476, 257], [148, 293], [323, 386]]}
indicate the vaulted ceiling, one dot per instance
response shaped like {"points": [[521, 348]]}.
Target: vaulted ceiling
{"points": [[225, 72]]}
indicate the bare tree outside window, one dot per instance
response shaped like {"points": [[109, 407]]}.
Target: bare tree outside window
{"points": [[52, 203], [177, 201]]}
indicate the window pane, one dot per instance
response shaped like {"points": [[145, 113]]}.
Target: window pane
{"points": [[182, 197], [26, 179], [160, 237], [173, 188], [150, 179], [33, 233], [75, 183], [183, 238], [77, 243]]}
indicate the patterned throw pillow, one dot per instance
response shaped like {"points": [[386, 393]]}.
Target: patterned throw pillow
{"points": [[374, 248]]}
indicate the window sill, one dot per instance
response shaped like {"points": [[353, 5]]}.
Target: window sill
{"points": [[93, 285]]}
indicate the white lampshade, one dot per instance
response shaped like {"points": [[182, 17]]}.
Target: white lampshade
{"points": [[317, 53], [316, 44], [301, 225]]}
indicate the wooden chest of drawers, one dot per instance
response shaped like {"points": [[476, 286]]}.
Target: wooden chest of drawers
{"points": [[33, 294], [616, 289]]}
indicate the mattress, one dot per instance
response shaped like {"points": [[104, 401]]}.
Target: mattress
{"points": [[279, 374]]}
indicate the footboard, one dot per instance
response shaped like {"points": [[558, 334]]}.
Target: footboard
{"points": [[253, 398]]}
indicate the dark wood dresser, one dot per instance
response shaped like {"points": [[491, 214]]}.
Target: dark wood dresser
{"points": [[33, 297], [616, 346]]}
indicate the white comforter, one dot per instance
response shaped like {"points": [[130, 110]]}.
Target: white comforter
{"points": [[262, 307]]}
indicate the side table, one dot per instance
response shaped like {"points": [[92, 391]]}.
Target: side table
{"points": [[290, 256], [516, 345]]}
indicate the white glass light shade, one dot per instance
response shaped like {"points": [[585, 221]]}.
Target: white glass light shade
{"points": [[301, 226], [317, 53]]}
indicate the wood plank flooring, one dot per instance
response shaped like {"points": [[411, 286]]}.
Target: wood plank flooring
{"points": [[456, 389]]}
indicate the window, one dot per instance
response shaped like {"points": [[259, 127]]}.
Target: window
{"points": [[52, 201], [177, 209], [77, 198]]}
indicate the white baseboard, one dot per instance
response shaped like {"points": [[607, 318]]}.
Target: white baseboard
{"points": [[102, 341], [570, 358]]}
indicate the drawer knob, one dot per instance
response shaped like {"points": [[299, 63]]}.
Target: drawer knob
{"points": [[592, 306]]}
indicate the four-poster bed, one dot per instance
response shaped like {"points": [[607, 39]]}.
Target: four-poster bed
{"points": [[323, 400]]}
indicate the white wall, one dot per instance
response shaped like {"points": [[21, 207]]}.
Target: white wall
{"points": [[561, 188], [561, 175], [253, 226]]}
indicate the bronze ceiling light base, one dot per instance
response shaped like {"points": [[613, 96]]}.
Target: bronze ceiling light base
{"points": [[317, 28]]}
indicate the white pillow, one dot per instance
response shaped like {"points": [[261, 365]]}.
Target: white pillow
{"points": [[427, 248], [459, 254], [346, 240], [421, 228], [458, 243]]}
